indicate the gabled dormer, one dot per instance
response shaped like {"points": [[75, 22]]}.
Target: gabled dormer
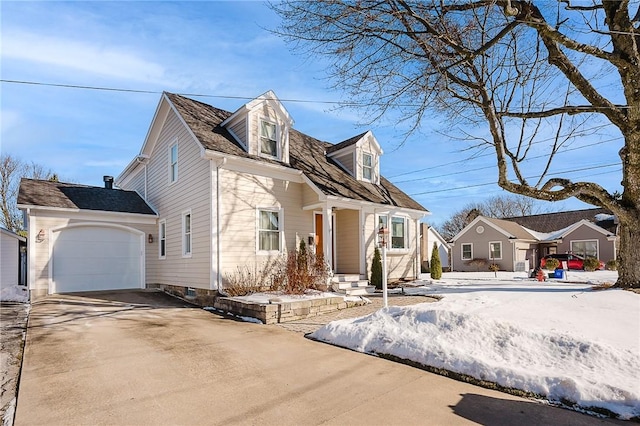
{"points": [[262, 127], [360, 156]]}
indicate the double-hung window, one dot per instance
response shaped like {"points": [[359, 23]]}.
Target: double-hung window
{"points": [[173, 163], [467, 251], [367, 166], [162, 239], [398, 232], [186, 234], [269, 229], [495, 250], [268, 138]]}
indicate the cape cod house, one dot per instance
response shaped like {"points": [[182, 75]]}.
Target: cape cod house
{"points": [[225, 190]]}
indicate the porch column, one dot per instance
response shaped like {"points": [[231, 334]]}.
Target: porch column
{"points": [[327, 235]]}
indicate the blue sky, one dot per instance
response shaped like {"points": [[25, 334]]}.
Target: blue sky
{"points": [[225, 51]]}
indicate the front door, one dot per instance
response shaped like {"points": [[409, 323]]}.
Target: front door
{"points": [[319, 235]]}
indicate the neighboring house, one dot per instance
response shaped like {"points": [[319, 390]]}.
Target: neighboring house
{"points": [[12, 258], [235, 190], [84, 238], [429, 235], [518, 244]]}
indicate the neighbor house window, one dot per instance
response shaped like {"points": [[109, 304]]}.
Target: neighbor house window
{"points": [[173, 163], [268, 138], [467, 251], [585, 248], [367, 166], [495, 250], [398, 232], [186, 234], [269, 229], [162, 239]]}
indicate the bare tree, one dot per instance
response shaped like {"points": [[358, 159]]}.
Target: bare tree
{"points": [[12, 170], [499, 207], [533, 82]]}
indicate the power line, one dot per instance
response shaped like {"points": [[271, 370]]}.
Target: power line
{"points": [[529, 177]]}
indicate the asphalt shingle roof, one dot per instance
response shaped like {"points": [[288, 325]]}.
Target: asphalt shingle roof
{"points": [[306, 154], [549, 222], [74, 196]]}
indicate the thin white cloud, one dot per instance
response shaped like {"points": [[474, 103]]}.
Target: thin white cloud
{"points": [[93, 58]]}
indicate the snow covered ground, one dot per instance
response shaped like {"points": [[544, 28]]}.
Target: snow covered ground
{"points": [[562, 340], [14, 293]]}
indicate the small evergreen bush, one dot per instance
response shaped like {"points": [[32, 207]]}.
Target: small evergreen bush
{"points": [[376, 270], [551, 264], [436, 266], [591, 264], [612, 265]]}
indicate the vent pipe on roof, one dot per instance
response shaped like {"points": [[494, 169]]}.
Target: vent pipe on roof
{"points": [[108, 182]]}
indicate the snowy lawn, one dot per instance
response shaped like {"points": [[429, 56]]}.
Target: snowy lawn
{"points": [[563, 341], [14, 293]]}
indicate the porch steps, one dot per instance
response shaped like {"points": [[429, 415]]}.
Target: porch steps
{"points": [[351, 285]]}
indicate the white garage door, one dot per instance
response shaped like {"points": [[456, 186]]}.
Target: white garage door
{"points": [[90, 258]]}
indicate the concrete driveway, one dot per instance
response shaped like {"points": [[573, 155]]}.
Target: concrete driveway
{"points": [[145, 358]]}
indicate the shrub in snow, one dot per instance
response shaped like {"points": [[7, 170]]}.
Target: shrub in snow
{"points": [[436, 265], [552, 264], [376, 270], [612, 265], [479, 263], [591, 264]]}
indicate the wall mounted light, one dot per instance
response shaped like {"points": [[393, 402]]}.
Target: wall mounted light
{"points": [[150, 238], [40, 236]]}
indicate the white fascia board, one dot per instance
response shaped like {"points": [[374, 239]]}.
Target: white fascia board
{"points": [[12, 234], [587, 223], [346, 150], [255, 167], [242, 110], [474, 222], [377, 208], [60, 212], [370, 135], [321, 195]]}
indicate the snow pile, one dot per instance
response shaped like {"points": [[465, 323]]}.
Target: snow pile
{"points": [[15, 293], [564, 342]]}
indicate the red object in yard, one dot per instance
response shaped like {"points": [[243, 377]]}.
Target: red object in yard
{"points": [[540, 275]]}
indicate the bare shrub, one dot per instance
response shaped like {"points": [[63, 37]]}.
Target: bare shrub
{"points": [[248, 279], [303, 270], [479, 263]]}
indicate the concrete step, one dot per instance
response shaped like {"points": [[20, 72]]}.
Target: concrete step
{"points": [[346, 277], [360, 291], [343, 285]]}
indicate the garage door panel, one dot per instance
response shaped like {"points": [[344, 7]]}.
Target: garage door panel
{"points": [[89, 258]]}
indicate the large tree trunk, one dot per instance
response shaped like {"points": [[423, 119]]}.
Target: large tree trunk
{"points": [[629, 254]]}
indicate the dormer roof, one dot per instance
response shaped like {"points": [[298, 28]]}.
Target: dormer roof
{"points": [[354, 142]]}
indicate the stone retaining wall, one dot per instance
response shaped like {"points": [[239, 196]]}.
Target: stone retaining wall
{"points": [[278, 312]]}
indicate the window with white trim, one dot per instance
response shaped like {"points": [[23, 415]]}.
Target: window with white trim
{"points": [[162, 239], [269, 229], [268, 138], [173, 163], [367, 166], [186, 234], [398, 232], [495, 250], [467, 251], [587, 248]]}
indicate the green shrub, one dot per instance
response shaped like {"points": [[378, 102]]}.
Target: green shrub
{"points": [[376, 269], [551, 264], [612, 265], [436, 266], [591, 264]]}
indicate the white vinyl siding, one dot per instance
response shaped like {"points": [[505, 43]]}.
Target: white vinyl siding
{"points": [[467, 251], [173, 163], [162, 239], [186, 234], [495, 250], [270, 227], [239, 129]]}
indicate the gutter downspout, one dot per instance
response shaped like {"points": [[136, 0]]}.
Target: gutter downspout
{"points": [[219, 164]]}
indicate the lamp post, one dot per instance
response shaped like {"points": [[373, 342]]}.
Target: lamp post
{"points": [[383, 238]]}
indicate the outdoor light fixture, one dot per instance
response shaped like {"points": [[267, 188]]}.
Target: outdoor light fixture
{"points": [[150, 238], [40, 236]]}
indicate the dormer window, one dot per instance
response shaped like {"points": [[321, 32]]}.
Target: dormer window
{"points": [[367, 166], [268, 138]]}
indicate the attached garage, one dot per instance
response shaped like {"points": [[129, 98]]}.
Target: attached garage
{"points": [[85, 238], [97, 257]]}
